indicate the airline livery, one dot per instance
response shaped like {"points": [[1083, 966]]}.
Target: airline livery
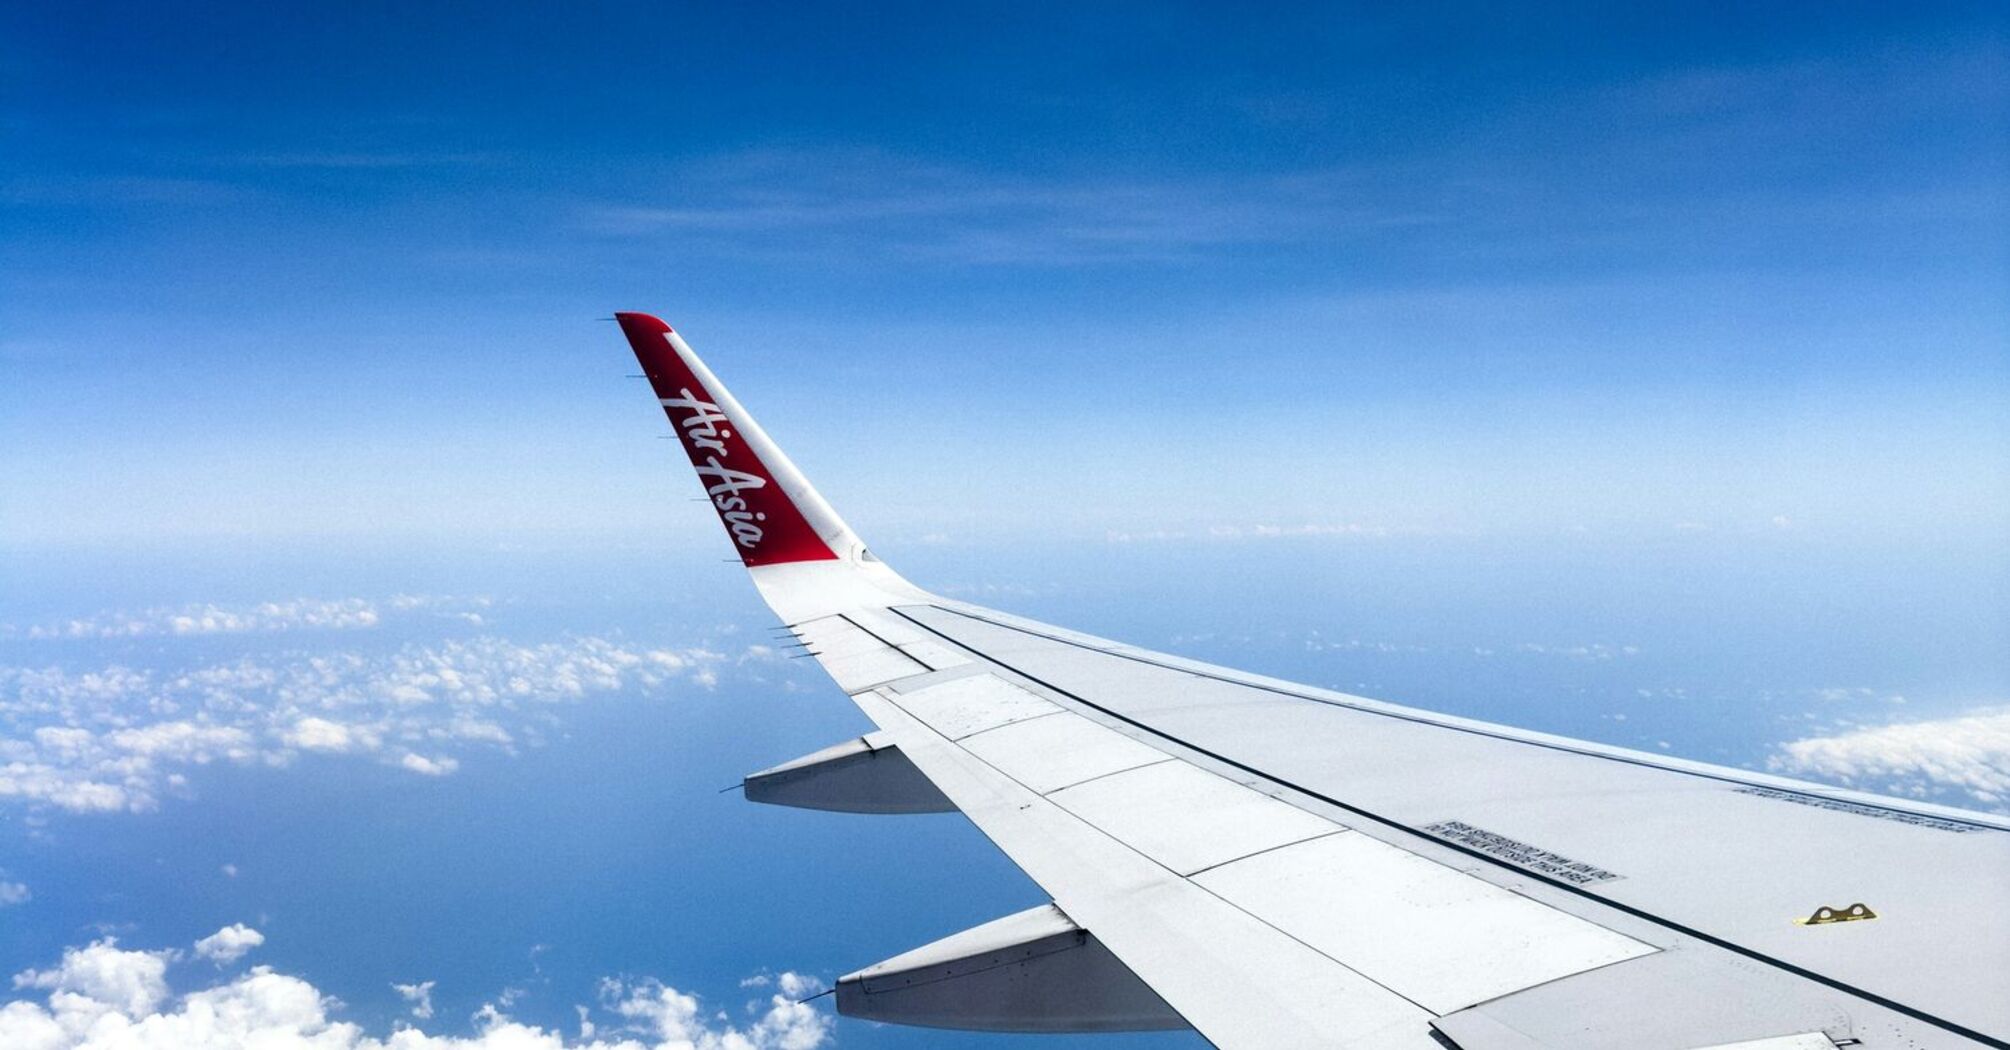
{"points": [[1278, 866]]}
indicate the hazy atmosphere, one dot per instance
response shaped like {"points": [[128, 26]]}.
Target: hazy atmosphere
{"points": [[366, 671]]}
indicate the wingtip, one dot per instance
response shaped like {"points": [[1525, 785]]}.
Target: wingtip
{"points": [[648, 322]]}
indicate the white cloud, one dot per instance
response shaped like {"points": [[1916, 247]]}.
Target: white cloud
{"points": [[797, 985], [420, 995], [432, 767], [1857, 694], [117, 738], [1236, 532], [789, 983], [675, 1019], [183, 741], [1593, 651], [101, 978], [103, 997], [229, 944], [13, 893], [319, 734], [1968, 754], [299, 614]]}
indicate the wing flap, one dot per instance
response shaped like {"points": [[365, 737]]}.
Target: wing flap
{"points": [[1439, 937], [1048, 754], [1187, 818], [1670, 1000], [969, 705]]}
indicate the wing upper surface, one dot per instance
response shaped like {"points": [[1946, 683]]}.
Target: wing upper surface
{"points": [[1287, 866], [1447, 864], [1720, 855]]}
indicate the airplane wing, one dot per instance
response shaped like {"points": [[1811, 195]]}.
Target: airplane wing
{"points": [[1275, 865]]}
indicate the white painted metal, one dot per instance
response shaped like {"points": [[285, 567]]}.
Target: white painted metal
{"points": [[1245, 985], [1034, 924], [852, 656], [868, 669], [837, 637], [935, 654], [866, 774], [857, 745], [1186, 818], [886, 627], [1436, 936], [1803, 1041], [1675, 999], [1733, 854], [878, 629], [932, 679], [1046, 754], [958, 708], [1035, 971]]}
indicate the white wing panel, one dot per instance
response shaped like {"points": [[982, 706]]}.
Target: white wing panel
{"points": [[963, 706], [885, 627], [1187, 818], [1241, 983], [835, 636], [935, 654], [1437, 936], [1046, 754], [1803, 1041], [868, 669], [855, 658], [1729, 854]]}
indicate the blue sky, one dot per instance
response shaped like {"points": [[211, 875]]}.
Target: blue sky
{"points": [[1631, 372]]}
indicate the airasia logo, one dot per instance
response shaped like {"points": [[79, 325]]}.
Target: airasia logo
{"points": [[704, 432]]}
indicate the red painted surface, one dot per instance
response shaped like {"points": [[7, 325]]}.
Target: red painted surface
{"points": [[764, 524]]}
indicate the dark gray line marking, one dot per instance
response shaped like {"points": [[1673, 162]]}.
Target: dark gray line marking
{"points": [[1104, 776], [1421, 720], [1057, 710], [1337, 830]]}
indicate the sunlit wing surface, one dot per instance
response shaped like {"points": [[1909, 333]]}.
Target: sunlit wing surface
{"points": [[1275, 865]]}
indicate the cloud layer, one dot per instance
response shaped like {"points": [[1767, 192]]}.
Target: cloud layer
{"points": [[299, 614], [119, 738], [1968, 755], [105, 997]]}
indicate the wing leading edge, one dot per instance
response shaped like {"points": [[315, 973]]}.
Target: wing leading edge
{"points": [[1285, 866]]}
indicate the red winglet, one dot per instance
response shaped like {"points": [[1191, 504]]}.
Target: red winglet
{"points": [[761, 519]]}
